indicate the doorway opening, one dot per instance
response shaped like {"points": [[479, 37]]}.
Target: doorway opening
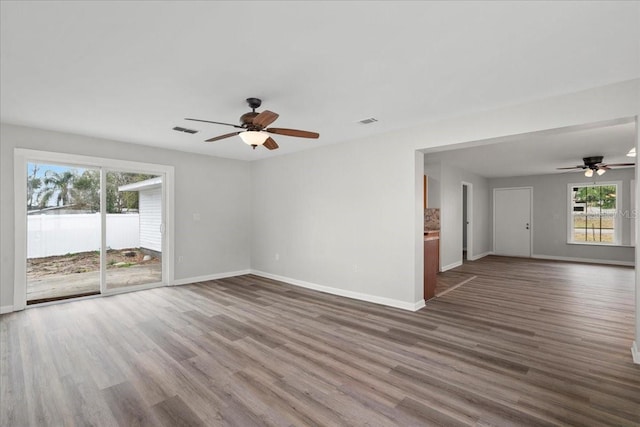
{"points": [[467, 206]]}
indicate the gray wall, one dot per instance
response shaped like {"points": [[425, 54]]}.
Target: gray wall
{"points": [[432, 171], [550, 214], [217, 189], [340, 217], [451, 180]]}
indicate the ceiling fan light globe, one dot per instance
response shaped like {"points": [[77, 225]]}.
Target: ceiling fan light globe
{"points": [[601, 171], [588, 173], [253, 138]]}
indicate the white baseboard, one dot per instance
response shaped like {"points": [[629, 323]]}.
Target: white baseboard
{"points": [[344, 293], [585, 260], [420, 304], [216, 276], [635, 353], [477, 257], [6, 309], [450, 266]]}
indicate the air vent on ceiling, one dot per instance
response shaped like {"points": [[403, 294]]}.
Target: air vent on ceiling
{"points": [[368, 121], [185, 130]]}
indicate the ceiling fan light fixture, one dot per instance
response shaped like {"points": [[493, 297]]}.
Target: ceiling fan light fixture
{"points": [[601, 171], [588, 173], [251, 137], [632, 152]]}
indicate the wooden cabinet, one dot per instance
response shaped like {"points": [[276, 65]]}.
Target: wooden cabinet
{"points": [[431, 262]]}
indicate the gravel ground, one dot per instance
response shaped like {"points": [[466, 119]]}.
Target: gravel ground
{"points": [[84, 262]]}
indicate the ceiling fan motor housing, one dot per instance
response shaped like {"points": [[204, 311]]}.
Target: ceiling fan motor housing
{"points": [[246, 119], [592, 162]]}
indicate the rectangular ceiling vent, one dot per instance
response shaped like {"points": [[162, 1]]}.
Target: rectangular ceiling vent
{"points": [[367, 121], [185, 130]]}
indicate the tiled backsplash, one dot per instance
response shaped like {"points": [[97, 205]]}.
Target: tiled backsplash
{"points": [[432, 219]]}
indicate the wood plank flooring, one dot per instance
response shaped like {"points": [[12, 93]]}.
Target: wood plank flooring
{"points": [[450, 280], [525, 343]]}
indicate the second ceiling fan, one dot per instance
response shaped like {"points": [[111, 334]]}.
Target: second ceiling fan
{"points": [[595, 164], [254, 127]]}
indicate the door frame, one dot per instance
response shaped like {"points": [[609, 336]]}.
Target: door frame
{"points": [[469, 219], [493, 240], [23, 156]]}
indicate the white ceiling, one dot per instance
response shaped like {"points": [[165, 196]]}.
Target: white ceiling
{"points": [[540, 153], [131, 71]]}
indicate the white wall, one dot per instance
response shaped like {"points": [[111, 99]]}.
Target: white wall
{"points": [[217, 189], [550, 206], [348, 216], [451, 233], [151, 219], [636, 343]]}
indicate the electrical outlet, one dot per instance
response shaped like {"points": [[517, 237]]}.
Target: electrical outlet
{"points": [[277, 257], [196, 216], [180, 258], [355, 268]]}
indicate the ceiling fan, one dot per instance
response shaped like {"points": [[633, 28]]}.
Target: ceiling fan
{"points": [[254, 127], [594, 164]]}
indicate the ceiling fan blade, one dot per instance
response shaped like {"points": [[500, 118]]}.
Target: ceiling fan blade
{"points": [[270, 144], [573, 167], [217, 123], [265, 118], [619, 164], [293, 132], [217, 138]]}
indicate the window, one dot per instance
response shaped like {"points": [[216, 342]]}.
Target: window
{"points": [[593, 212]]}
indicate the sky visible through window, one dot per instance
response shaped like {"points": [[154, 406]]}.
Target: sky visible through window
{"points": [[37, 188]]}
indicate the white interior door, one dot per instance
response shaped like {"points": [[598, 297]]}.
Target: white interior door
{"points": [[512, 221]]}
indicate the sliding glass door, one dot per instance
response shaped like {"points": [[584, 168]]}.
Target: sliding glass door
{"points": [[63, 231], [134, 229], [88, 226]]}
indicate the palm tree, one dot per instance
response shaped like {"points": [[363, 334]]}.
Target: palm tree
{"points": [[61, 183], [33, 185]]}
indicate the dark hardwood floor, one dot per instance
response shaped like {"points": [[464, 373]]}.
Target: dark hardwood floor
{"points": [[524, 343], [451, 279]]}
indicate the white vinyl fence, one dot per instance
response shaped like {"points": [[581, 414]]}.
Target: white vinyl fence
{"points": [[49, 235]]}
